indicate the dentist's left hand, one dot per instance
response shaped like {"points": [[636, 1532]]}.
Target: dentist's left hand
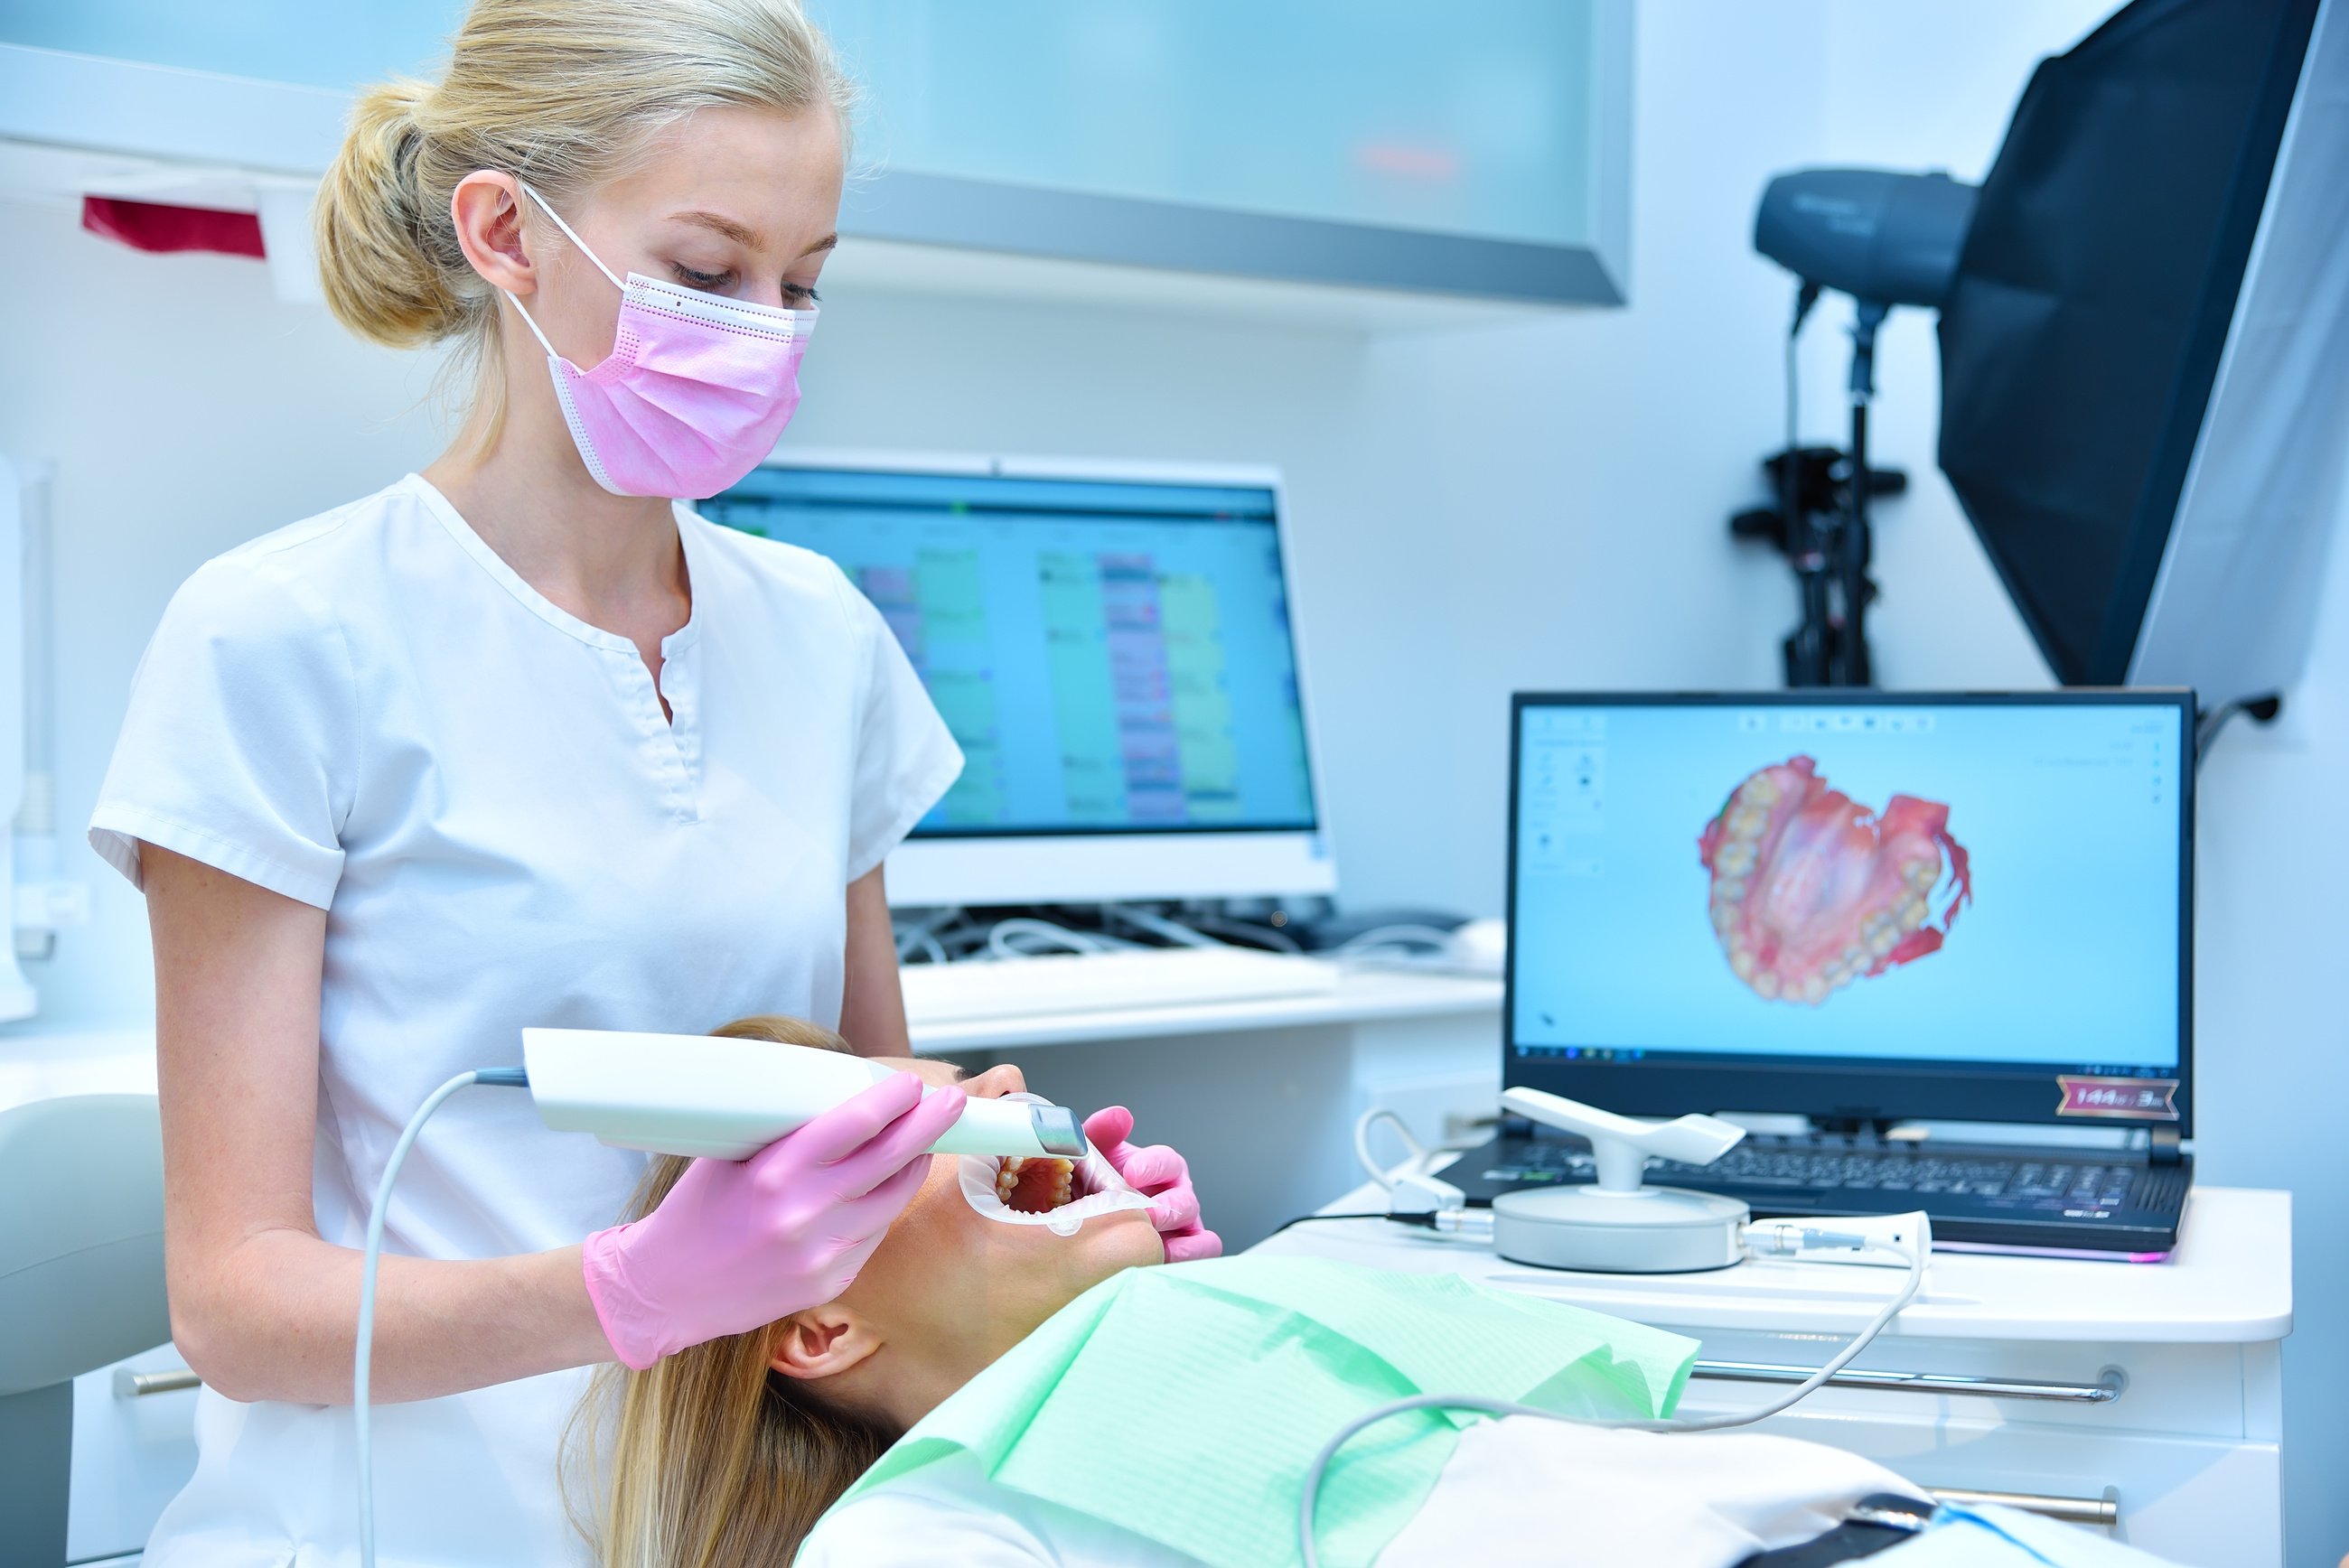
{"points": [[736, 1245], [1160, 1174]]}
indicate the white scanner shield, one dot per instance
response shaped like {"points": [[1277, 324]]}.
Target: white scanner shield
{"points": [[720, 1099]]}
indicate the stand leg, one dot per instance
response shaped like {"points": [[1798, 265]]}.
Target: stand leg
{"points": [[1853, 667]]}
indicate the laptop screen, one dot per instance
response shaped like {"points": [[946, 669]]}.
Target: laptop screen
{"points": [[1855, 903]]}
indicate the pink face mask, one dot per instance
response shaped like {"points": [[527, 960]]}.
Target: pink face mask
{"points": [[694, 393]]}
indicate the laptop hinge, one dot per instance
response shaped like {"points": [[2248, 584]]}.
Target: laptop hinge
{"points": [[1855, 1129], [2162, 1147]]}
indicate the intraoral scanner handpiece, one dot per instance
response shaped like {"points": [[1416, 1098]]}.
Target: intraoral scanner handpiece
{"points": [[727, 1100]]}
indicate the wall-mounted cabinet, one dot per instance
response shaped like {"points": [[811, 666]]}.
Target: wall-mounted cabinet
{"points": [[1363, 144], [1367, 142]]}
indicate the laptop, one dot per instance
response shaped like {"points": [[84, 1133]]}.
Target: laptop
{"points": [[1934, 950]]}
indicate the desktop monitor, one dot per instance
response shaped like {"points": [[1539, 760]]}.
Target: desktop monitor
{"points": [[1113, 648], [1856, 906]]}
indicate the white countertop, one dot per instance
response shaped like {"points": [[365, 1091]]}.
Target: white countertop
{"points": [[1361, 995], [43, 1067], [2229, 1281]]}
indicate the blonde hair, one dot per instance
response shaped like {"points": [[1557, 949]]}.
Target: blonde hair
{"points": [[712, 1458], [560, 93]]}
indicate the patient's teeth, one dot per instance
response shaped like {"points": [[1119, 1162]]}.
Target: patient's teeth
{"points": [[1036, 1185]]}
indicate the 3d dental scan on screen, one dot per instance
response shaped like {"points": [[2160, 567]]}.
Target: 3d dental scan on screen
{"points": [[1920, 879], [1812, 892]]}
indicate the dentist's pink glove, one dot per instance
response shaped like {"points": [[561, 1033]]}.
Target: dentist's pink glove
{"points": [[737, 1244], [1158, 1173]]}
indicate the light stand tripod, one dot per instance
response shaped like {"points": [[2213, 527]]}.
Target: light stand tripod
{"points": [[1821, 521]]}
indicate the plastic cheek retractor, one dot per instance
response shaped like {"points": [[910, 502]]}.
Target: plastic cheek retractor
{"points": [[1094, 1186]]}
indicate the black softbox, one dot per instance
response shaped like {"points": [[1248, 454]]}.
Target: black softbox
{"points": [[2081, 338]]}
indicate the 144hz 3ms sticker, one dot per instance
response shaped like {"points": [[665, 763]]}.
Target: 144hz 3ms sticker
{"points": [[2120, 1099]]}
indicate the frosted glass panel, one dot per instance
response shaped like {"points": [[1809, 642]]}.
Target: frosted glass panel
{"points": [[1474, 121], [1479, 149], [313, 43]]}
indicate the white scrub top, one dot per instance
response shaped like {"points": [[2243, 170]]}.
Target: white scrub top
{"points": [[371, 713]]}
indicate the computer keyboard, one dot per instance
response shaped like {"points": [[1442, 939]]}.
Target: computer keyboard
{"points": [[1105, 982], [2053, 1181]]}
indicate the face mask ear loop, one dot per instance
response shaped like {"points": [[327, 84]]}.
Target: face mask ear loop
{"points": [[573, 234], [548, 208]]}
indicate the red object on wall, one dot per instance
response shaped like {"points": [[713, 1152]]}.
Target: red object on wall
{"points": [[158, 227]]}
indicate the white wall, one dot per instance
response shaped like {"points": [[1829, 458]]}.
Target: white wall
{"points": [[188, 410], [2271, 1032], [1564, 489]]}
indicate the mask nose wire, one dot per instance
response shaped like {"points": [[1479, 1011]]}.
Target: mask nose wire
{"points": [[548, 208]]}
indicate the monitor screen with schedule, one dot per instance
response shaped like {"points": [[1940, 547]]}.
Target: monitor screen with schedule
{"points": [[1111, 647], [1855, 885]]}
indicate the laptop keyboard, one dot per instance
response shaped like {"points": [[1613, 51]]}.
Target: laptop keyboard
{"points": [[2050, 1183]]}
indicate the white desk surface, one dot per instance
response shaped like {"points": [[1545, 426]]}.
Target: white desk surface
{"points": [[43, 1067], [2229, 1281], [1361, 995]]}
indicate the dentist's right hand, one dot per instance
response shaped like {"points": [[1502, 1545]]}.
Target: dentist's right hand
{"points": [[736, 1245]]}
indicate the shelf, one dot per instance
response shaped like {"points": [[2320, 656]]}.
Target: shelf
{"points": [[1361, 995]]}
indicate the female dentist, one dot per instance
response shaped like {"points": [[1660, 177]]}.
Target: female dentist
{"points": [[517, 742]]}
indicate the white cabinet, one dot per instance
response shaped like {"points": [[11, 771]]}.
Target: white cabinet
{"points": [[134, 1446], [1360, 142], [1368, 144], [2149, 1394]]}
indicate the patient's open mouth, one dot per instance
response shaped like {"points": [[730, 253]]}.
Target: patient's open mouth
{"points": [[1036, 1185]]}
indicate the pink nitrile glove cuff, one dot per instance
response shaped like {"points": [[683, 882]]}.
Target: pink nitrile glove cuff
{"points": [[1161, 1174], [1189, 1247], [603, 1260]]}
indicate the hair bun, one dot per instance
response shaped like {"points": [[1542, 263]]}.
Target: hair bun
{"points": [[377, 254]]}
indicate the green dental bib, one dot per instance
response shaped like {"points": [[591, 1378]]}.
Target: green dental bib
{"points": [[1239, 1369]]}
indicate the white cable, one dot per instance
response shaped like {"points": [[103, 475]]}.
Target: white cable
{"points": [[921, 935], [1000, 935], [1270, 936], [363, 1356], [1892, 1309], [1380, 1173], [1173, 931], [1379, 936]]}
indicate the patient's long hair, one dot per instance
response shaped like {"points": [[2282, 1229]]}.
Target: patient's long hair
{"points": [[711, 1459]]}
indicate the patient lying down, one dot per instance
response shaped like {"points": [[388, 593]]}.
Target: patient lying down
{"points": [[995, 1396]]}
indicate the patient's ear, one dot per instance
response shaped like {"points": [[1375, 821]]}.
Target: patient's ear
{"points": [[822, 1342]]}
